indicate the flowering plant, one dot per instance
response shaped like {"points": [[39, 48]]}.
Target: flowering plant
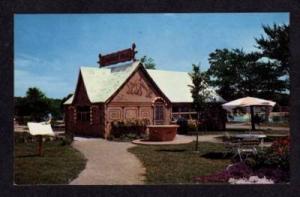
{"points": [[277, 156], [251, 180], [272, 163]]}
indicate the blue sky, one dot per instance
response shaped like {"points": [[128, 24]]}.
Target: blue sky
{"points": [[50, 48]]}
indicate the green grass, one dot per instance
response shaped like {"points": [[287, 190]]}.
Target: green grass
{"points": [[59, 165], [175, 164]]}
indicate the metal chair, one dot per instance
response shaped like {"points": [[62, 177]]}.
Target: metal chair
{"points": [[232, 145], [247, 147]]}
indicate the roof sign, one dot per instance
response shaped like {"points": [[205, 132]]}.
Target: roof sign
{"points": [[117, 57]]}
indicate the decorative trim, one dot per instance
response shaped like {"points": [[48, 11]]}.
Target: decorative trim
{"points": [[156, 99]]}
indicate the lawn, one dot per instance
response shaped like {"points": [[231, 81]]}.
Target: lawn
{"points": [[59, 165], [175, 164]]}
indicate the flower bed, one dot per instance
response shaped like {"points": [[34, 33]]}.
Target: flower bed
{"points": [[272, 164], [251, 180]]}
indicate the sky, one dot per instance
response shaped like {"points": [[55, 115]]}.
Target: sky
{"points": [[49, 49]]}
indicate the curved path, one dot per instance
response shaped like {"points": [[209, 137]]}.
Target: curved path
{"points": [[108, 163]]}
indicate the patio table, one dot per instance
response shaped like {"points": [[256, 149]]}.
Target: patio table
{"points": [[249, 136], [248, 142]]}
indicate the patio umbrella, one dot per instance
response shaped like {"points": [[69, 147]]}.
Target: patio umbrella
{"points": [[249, 102]]}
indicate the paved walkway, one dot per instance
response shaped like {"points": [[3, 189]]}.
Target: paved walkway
{"points": [[108, 163]]}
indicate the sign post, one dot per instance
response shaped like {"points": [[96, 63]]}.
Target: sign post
{"points": [[39, 130], [40, 145]]}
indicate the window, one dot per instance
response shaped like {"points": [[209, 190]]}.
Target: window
{"points": [[83, 113], [159, 114]]}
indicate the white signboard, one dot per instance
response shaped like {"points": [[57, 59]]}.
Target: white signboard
{"points": [[36, 128]]}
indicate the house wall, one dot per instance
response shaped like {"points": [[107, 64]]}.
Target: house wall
{"points": [[134, 101], [215, 114], [94, 127]]}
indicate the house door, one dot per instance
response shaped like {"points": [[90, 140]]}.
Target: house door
{"points": [[83, 119], [159, 113]]}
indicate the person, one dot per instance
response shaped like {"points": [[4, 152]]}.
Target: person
{"points": [[257, 119], [48, 118]]}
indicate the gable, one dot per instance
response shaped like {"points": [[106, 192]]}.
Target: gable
{"points": [[80, 97], [138, 88], [102, 83]]}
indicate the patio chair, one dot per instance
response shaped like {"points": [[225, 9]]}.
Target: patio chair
{"points": [[247, 147], [231, 145]]}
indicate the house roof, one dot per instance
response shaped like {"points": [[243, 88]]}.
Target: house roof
{"points": [[175, 85], [102, 83]]}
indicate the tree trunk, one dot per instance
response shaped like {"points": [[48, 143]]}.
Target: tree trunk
{"points": [[197, 132]]}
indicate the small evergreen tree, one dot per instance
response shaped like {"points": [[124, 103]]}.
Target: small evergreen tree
{"points": [[200, 95], [275, 45]]}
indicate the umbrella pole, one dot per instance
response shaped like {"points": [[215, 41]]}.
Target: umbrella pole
{"points": [[252, 117]]}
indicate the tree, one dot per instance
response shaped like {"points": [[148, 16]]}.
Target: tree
{"points": [[275, 45], [238, 74], [37, 103], [148, 62], [200, 94], [224, 71]]}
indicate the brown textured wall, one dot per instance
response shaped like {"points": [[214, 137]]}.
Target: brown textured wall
{"points": [[95, 127], [134, 101]]}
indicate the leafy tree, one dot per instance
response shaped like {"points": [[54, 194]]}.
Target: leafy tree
{"points": [[224, 71], [148, 62], [35, 105], [200, 93], [275, 45], [237, 74], [20, 106], [55, 108]]}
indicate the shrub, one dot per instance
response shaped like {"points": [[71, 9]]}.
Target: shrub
{"points": [[132, 129], [183, 125], [67, 139], [277, 156], [23, 137], [22, 120], [272, 163]]}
